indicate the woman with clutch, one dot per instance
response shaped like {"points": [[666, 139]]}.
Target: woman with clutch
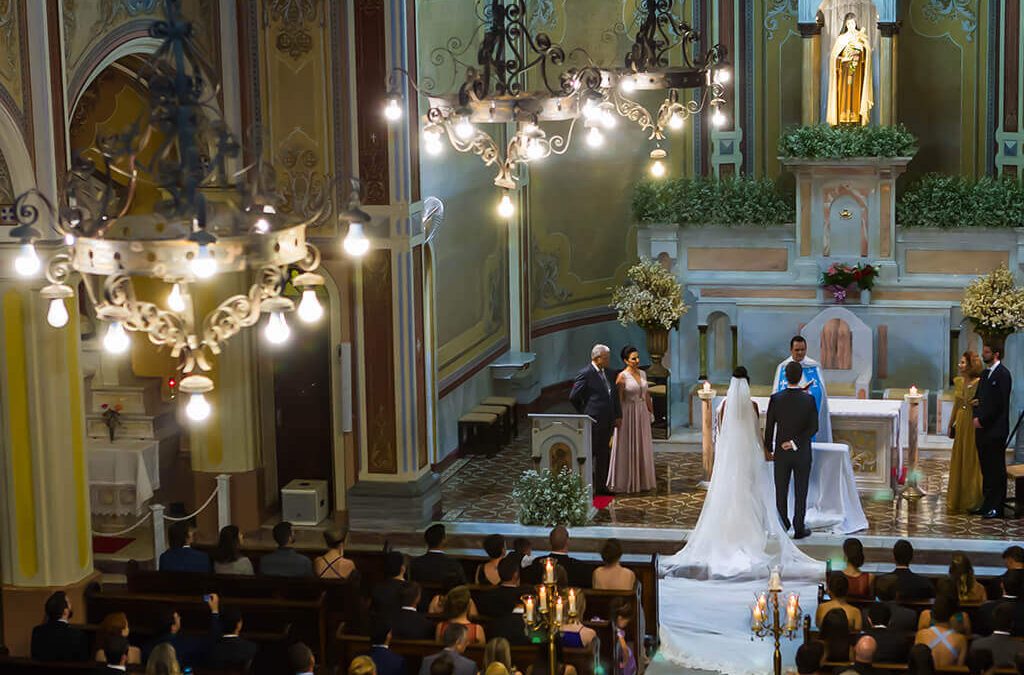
{"points": [[964, 493]]}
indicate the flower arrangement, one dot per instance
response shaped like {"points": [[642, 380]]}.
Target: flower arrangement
{"points": [[653, 299], [111, 417], [547, 498], [839, 278], [994, 304]]}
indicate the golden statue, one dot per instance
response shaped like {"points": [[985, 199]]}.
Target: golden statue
{"points": [[849, 78]]}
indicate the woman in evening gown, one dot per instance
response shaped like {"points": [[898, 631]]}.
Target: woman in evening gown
{"points": [[964, 491], [632, 463]]}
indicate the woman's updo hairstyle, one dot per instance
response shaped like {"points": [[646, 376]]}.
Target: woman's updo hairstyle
{"points": [[626, 351]]}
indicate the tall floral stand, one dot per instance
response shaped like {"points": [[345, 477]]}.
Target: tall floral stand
{"points": [[659, 379]]}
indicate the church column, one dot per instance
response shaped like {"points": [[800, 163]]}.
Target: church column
{"points": [[1009, 139], [811, 72], [396, 487], [887, 67], [45, 525]]}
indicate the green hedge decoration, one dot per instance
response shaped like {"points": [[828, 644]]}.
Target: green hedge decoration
{"points": [[710, 201], [956, 202], [825, 142]]}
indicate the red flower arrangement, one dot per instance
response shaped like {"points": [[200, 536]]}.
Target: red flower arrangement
{"points": [[111, 417], [840, 278]]}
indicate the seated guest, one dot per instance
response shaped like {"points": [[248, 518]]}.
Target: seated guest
{"points": [[117, 653], [809, 656], [961, 621], [902, 619], [920, 661], [115, 624], [285, 561], [56, 640], [542, 666], [891, 646], [838, 587], [385, 595], [189, 650], [1010, 587], [362, 665], [961, 573], [443, 665], [163, 661], [386, 661], [523, 547], [1004, 647], [1013, 559], [407, 623], [300, 658], [456, 610], [230, 650], [909, 585], [507, 595], [612, 576], [227, 557], [864, 656], [181, 557], [487, 573], [574, 634], [834, 632], [435, 566], [980, 662], [860, 582], [455, 642], [949, 648], [558, 539], [333, 564], [499, 652]]}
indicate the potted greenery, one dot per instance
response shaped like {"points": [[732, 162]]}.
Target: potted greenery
{"points": [[547, 498], [653, 300], [994, 304]]}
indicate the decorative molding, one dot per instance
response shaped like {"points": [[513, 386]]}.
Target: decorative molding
{"points": [[371, 80], [542, 15], [6, 185], [111, 10], [549, 292], [294, 38], [302, 186], [882, 367], [889, 28], [955, 10], [777, 10], [379, 354], [809, 30]]}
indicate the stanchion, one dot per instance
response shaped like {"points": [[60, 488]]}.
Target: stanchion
{"points": [[707, 395]]}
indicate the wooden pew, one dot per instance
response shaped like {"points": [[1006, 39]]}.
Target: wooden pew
{"points": [[10, 665]]}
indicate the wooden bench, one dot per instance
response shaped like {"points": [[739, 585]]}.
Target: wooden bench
{"points": [[476, 428], [504, 418], [1016, 471], [10, 665], [513, 409]]}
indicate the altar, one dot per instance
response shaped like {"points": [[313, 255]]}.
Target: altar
{"points": [[123, 475]]}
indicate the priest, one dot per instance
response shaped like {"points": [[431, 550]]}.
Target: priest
{"points": [[813, 381]]}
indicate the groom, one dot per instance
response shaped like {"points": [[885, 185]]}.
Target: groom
{"points": [[791, 422]]}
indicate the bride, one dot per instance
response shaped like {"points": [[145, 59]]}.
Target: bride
{"points": [[739, 535]]}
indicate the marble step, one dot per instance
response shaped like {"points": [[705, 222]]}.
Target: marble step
{"points": [[141, 397], [140, 427]]}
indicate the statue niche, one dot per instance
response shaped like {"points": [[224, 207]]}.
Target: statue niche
{"points": [[850, 97]]}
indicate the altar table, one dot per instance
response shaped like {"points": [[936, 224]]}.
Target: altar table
{"points": [[122, 475], [832, 501]]}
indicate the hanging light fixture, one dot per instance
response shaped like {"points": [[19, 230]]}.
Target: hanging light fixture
{"points": [[193, 234], [356, 244], [277, 331], [310, 310]]}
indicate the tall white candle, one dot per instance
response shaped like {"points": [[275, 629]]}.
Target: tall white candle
{"points": [[549, 571], [542, 595], [572, 601], [558, 610], [529, 608]]}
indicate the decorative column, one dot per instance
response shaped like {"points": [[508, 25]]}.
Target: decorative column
{"points": [[887, 68], [811, 71], [707, 396], [1009, 139], [45, 524]]}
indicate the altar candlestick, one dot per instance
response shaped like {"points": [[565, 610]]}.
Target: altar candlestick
{"points": [[572, 602], [558, 609], [528, 602], [755, 616], [549, 571], [542, 595], [775, 580], [707, 385]]}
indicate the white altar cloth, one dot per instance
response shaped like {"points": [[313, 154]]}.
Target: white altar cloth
{"points": [[833, 505], [122, 475]]}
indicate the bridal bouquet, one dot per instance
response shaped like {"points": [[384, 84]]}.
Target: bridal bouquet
{"points": [[548, 498], [994, 304], [653, 299], [839, 278]]}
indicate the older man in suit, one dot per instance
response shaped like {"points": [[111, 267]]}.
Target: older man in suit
{"points": [[454, 644], [991, 427], [594, 393]]}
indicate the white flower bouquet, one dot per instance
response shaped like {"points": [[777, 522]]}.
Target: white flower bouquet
{"points": [[549, 499], [994, 304], [652, 299]]}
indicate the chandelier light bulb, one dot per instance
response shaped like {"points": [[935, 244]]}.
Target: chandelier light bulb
{"points": [[595, 138], [69, 239], [116, 340], [628, 84], [608, 119], [198, 408], [262, 226], [176, 299], [658, 169], [57, 315], [393, 111], [718, 118], [723, 75], [676, 121], [531, 128], [534, 149], [590, 109], [356, 244], [27, 263], [432, 142], [310, 309], [464, 129], [506, 209], [204, 265], [277, 330]]}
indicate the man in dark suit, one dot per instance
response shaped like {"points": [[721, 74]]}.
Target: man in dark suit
{"points": [[791, 422], [435, 566], [1001, 643], [190, 650], [1011, 586], [385, 596], [558, 540], [892, 646], [909, 585], [454, 644], [285, 561], [300, 658], [991, 427], [116, 650], [594, 393], [56, 640], [504, 597], [386, 661], [181, 557], [901, 619], [407, 623], [230, 650]]}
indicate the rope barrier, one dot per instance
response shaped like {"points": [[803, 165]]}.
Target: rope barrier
{"points": [[197, 511], [125, 531]]}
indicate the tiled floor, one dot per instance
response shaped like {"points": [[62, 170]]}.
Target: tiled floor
{"points": [[479, 489]]}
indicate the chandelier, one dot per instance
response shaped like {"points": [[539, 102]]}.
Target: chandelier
{"points": [[206, 223]]}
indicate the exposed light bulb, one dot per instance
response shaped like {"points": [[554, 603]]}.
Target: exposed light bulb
{"points": [[310, 309], [57, 315], [534, 149], [27, 263], [608, 119], [393, 111], [506, 209], [356, 244], [676, 121], [595, 138], [262, 226], [628, 84], [176, 299], [531, 128], [590, 109], [69, 239], [203, 265], [277, 330], [658, 169], [116, 340], [464, 129], [432, 142], [197, 408], [718, 118], [723, 75]]}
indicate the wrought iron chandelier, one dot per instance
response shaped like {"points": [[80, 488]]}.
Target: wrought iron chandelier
{"points": [[206, 224]]}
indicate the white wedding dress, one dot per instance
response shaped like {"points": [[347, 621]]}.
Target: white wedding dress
{"points": [[709, 585]]}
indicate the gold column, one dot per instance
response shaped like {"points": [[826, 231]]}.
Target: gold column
{"points": [[888, 31], [811, 72]]}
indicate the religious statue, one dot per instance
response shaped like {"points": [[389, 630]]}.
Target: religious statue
{"points": [[849, 78]]}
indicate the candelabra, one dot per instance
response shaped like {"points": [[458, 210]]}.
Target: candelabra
{"points": [[549, 610], [763, 625]]}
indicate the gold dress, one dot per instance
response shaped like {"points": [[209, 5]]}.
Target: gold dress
{"points": [[850, 83], [964, 491]]}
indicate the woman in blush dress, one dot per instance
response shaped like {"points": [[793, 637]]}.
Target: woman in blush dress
{"points": [[632, 463]]}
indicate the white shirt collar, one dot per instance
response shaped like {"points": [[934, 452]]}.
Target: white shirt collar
{"points": [[596, 367], [114, 666], [992, 368], [1000, 632], [379, 647], [232, 635], [434, 550], [411, 609]]}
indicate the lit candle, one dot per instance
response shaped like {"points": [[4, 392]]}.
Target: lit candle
{"points": [[572, 602], [549, 571], [790, 617], [755, 616], [542, 595], [775, 580], [762, 601], [913, 390], [528, 602], [707, 386], [558, 609]]}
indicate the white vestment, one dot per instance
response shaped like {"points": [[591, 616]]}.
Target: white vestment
{"points": [[813, 377]]}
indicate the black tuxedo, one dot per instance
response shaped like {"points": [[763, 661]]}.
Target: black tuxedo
{"points": [[1004, 648], [57, 641], [893, 646], [436, 567], [385, 597], [902, 619], [983, 617], [909, 585], [993, 414], [792, 416], [594, 393], [500, 600], [407, 624]]}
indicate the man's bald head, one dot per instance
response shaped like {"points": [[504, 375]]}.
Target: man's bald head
{"points": [[864, 652]]}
